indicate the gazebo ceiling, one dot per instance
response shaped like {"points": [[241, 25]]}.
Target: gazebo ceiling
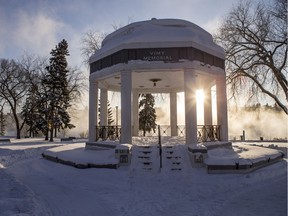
{"points": [[154, 81]]}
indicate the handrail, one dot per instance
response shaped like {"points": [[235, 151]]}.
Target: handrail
{"points": [[205, 133]]}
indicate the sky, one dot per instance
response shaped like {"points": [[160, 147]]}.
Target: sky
{"points": [[37, 26]]}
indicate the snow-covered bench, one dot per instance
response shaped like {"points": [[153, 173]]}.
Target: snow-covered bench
{"points": [[5, 140], [123, 153]]}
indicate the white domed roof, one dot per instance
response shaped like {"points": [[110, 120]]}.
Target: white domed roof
{"points": [[158, 33]]}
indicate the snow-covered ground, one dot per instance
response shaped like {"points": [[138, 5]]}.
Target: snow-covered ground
{"points": [[32, 185]]}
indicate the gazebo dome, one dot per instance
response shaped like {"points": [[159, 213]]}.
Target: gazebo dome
{"points": [[158, 33]]}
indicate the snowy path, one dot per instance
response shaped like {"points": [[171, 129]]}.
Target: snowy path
{"points": [[64, 190], [18, 198], [31, 185], [271, 199]]}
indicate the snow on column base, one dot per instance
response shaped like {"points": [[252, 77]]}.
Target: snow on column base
{"points": [[123, 154], [197, 154]]}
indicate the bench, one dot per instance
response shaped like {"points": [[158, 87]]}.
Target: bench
{"points": [[66, 139], [5, 140]]}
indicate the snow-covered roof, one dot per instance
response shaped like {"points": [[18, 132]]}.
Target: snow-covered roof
{"points": [[158, 33]]}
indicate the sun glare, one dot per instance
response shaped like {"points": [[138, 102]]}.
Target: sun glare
{"points": [[200, 96], [200, 107]]}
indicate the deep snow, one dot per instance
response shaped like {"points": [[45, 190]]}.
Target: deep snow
{"points": [[31, 185]]}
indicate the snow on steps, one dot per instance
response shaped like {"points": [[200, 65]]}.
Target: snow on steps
{"points": [[147, 158]]}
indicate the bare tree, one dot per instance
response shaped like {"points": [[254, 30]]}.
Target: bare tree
{"points": [[13, 88], [254, 37], [117, 25], [91, 42], [76, 84]]}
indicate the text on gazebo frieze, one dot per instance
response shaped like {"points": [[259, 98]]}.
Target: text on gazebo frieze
{"points": [[157, 56]]}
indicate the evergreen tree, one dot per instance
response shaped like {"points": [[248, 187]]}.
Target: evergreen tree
{"points": [[109, 114], [29, 111], [57, 89], [147, 115], [41, 121]]}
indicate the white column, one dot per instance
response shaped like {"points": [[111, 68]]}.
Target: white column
{"points": [[173, 113], [190, 106], [135, 113], [93, 109], [221, 98], [103, 107], [207, 106], [126, 100]]}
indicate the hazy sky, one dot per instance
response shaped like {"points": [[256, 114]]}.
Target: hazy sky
{"points": [[36, 26]]}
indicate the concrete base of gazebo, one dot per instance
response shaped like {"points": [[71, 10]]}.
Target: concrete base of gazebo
{"points": [[221, 157]]}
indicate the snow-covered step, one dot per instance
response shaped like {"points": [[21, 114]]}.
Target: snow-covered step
{"points": [[176, 162], [145, 158], [171, 159], [176, 169]]}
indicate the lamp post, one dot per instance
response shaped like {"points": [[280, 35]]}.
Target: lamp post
{"points": [[116, 115], [117, 134]]}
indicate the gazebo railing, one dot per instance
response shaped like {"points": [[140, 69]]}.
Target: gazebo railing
{"points": [[181, 130], [165, 130], [108, 132], [205, 133]]}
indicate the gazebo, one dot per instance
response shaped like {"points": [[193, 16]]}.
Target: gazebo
{"points": [[159, 56]]}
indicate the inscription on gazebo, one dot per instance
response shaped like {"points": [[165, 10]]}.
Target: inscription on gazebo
{"points": [[160, 55]]}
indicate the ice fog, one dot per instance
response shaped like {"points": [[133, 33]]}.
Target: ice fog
{"points": [[261, 123]]}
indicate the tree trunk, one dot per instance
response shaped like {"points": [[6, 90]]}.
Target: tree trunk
{"points": [[46, 135], [51, 134], [18, 134], [18, 130]]}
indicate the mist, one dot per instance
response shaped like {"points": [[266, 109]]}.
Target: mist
{"points": [[268, 124], [79, 118]]}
